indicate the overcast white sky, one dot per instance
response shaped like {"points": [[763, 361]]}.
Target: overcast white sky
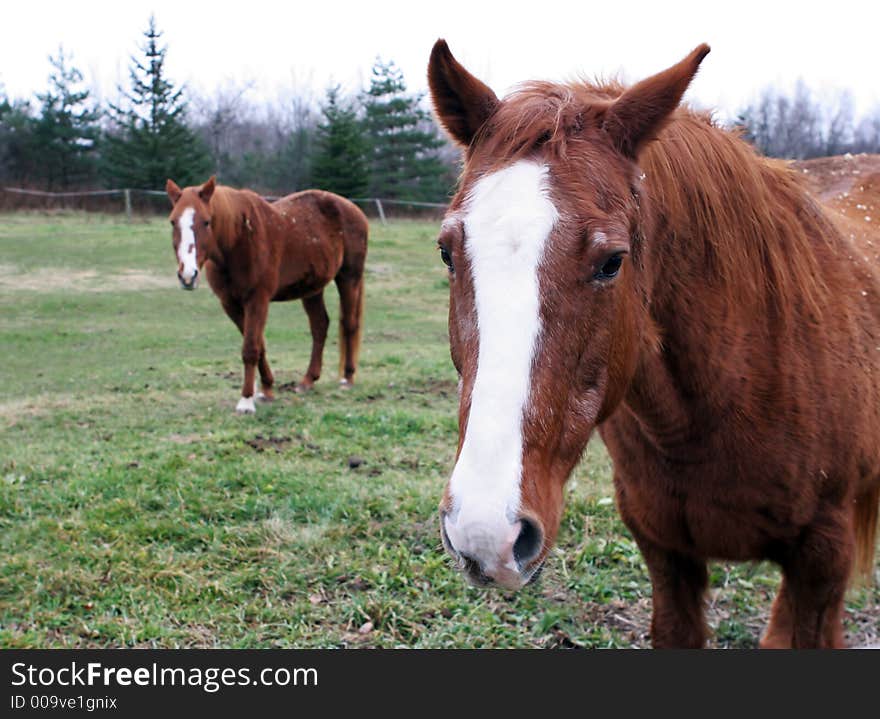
{"points": [[318, 42]]}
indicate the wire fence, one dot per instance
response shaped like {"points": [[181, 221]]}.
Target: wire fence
{"points": [[133, 201]]}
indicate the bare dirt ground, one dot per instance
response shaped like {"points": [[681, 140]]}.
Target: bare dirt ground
{"points": [[13, 278]]}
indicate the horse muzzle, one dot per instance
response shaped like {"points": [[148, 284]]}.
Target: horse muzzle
{"points": [[511, 563], [193, 282]]}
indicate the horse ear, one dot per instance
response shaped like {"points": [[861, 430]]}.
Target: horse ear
{"points": [[207, 190], [462, 102], [641, 111], [174, 192]]}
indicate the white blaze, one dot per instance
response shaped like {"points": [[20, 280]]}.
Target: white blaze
{"points": [[508, 218], [186, 250]]}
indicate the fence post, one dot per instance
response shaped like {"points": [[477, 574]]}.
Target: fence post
{"points": [[381, 211], [127, 193]]}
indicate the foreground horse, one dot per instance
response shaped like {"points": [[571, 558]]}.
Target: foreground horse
{"points": [[688, 298], [254, 253]]}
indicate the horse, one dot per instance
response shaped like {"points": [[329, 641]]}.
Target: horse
{"points": [[619, 262], [254, 252]]}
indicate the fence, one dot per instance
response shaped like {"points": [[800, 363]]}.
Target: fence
{"points": [[140, 200]]}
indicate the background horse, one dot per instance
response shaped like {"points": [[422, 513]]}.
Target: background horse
{"points": [[691, 300], [254, 252]]}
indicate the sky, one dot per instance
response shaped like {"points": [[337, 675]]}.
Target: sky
{"points": [[277, 48]]}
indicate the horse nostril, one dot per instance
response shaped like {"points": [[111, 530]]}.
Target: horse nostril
{"points": [[528, 544]]}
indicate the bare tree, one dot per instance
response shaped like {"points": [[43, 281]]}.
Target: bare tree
{"points": [[218, 116], [800, 126]]}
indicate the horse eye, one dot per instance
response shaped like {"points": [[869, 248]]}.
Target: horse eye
{"points": [[447, 258], [610, 268], [207, 223]]}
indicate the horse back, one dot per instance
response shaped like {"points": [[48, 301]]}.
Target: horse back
{"points": [[320, 235]]}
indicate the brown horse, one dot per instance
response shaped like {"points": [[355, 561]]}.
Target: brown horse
{"points": [[254, 253], [620, 263]]}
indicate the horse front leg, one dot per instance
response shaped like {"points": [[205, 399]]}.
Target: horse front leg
{"points": [[253, 348], [267, 379], [679, 585], [319, 322]]}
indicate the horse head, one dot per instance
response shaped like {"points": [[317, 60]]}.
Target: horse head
{"points": [[191, 232], [548, 310]]}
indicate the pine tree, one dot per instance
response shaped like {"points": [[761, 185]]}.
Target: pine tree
{"points": [[403, 159], [66, 132], [152, 141], [17, 141], [340, 162]]}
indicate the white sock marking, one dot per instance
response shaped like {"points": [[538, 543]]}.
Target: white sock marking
{"points": [[246, 405]]}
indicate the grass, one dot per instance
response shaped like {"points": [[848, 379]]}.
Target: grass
{"points": [[137, 510]]}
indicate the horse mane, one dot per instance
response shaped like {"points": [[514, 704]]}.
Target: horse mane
{"points": [[229, 206], [747, 220]]}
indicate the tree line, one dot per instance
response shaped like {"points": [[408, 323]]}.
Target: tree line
{"points": [[380, 142], [800, 126]]}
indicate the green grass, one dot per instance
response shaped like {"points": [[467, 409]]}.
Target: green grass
{"points": [[136, 509]]}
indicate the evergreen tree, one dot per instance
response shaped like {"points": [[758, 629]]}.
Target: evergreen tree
{"points": [[17, 141], [403, 159], [288, 168], [151, 140], [340, 162], [66, 131]]}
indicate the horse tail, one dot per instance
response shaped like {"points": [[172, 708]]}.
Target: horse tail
{"points": [[865, 524]]}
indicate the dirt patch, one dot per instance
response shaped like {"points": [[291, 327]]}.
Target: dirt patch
{"points": [[261, 443], [14, 278], [436, 387]]}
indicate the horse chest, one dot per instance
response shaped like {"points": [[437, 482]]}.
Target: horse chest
{"points": [[706, 509]]}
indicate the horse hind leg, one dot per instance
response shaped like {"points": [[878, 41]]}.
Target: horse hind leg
{"points": [[351, 316], [319, 322]]}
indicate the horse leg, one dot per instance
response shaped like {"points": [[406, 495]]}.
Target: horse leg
{"points": [[255, 315], [679, 583], [781, 627], [351, 306], [816, 574], [319, 321], [236, 313], [267, 379]]}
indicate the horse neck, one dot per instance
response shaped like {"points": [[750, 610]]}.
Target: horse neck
{"points": [[231, 209], [731, 247]]}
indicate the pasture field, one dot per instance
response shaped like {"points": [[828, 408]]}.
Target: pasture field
{"points": [[137, 510]]}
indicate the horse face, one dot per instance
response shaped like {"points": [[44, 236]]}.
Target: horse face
{"points": [[191, 233], [547, 309]]}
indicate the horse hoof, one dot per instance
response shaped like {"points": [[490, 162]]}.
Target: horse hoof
{"points": [[264, 397], [302, 387], [345, 383], [246, 406]]}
